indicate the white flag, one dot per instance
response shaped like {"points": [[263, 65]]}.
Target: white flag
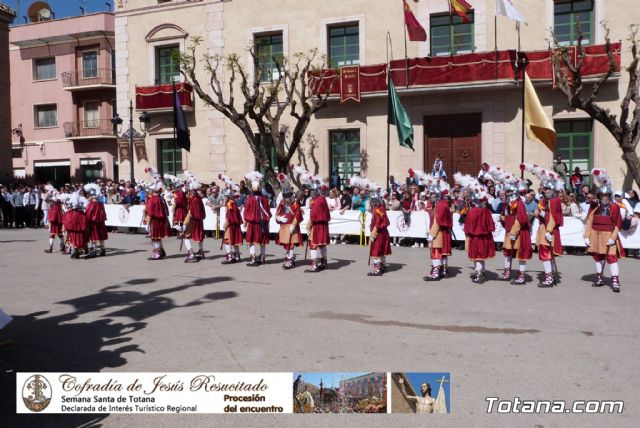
{"points": [[506, 8], [440, 405]]}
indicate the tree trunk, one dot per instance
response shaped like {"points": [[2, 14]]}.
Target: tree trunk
{"points": [[633, 163]]}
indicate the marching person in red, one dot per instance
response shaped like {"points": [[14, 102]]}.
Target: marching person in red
{"points": [[54, 217], [156, 217], [75, 224], [380, 242], [289, 217], [180, 207], [319, 217], [232, 237], [96, 219], [549, 214], [478, 228], [256, 214], [602, 232], [439, 235], [194, 221]]}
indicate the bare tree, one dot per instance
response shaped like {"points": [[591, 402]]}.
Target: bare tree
{"points": [[569, 78], [296, 86]]}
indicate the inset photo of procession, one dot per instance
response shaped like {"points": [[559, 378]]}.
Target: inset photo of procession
{"points": [[343, 392], [421, 392]]}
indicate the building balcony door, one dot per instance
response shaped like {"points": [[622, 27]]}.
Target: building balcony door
{"points": [[457, 139]]}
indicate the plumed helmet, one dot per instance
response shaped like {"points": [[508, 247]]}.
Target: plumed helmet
{"points": [[254, 177], [92, 189], [285, 184], [602, 181], [548, 179]]}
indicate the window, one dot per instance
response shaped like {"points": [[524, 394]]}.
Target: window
{"points": [[575, 143], [44, 68], [345, 152], [167, 64], [268, 50], [565, 15], [91, 169], [170, 157], [92, 114], [46, 116], [90, 65], [446, 29], [344, 45]]}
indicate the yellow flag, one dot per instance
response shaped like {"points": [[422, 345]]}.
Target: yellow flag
{"points": [[536, 122]]}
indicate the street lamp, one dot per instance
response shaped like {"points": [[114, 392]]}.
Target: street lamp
{"points": [[131, 133]]}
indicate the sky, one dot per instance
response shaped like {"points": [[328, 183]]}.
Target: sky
{"points": [[416, 380], [328, 379], [62, 8]]}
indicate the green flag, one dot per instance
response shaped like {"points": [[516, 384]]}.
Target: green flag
{"points": [[399, 117]]}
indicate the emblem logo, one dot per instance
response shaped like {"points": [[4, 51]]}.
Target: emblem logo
{"points": [[36, 393], [123, 215]]}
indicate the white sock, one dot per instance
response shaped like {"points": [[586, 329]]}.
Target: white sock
{"points": [[599, 268], [323, 252], [187, 244], [478, 265], [155, 245], [227, 248], [51, 242], [252, 249], [376, 261], [314, 254], [201, 245], [290, 253], [436, 262], [445, 260], [101, 244], [263, 250], [613, 268], [237, 249], [547, 266], [523, 266], [507, 263]]}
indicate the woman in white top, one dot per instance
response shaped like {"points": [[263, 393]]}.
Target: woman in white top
{"points": [[576, 209], [333, 201]]}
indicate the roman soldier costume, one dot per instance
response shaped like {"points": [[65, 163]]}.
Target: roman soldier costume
{"points": [[180, 207], [96, 221], [156, 216], [232, 237], [75, 224], [549, 214], [289, 216], [54, 217], [380, 241], [478, 228], [602, 232], [256, 217], [516, 222], [194, 220], [319, 217]]}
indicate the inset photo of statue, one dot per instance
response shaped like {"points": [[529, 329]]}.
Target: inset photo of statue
{"points": [[420, 392]]}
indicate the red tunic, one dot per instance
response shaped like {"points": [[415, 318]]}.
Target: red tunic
{"points": [[158, 214], [479, 227], [444, 218], [196, 224], [320, 217], [96, 218], [233, 234], [293, 213], [180, 206], [75, 223], [524, 251], [607, 223], [55, 219], [381, 246], [257, 215]]}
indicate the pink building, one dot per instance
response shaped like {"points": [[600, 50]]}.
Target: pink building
{"points": [[63, 98]]}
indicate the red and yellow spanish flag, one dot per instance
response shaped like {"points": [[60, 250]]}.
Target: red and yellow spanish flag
{"points": [[414, 29], [461, 8]]}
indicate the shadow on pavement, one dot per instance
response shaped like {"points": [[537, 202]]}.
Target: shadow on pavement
{"points": [[61, 343]]}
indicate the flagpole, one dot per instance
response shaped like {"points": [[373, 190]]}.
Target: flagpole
{"points": [[450, 29], [495, 38], [175, 112], [388, 43], [524, 69], [406, 58]]}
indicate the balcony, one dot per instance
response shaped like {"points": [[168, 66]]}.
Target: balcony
{"points": [[159, 98], [89, 130], [84, 80]]}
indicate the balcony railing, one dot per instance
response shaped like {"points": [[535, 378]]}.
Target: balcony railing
{"points": [[89, 128], [88, 77]]}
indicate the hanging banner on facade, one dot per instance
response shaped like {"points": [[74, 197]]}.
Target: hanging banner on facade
{"points": [[350, 83], [123, 150], [141, 149]]}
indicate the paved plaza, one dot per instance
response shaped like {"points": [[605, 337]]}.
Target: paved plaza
{"points": [[124, 313]]}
